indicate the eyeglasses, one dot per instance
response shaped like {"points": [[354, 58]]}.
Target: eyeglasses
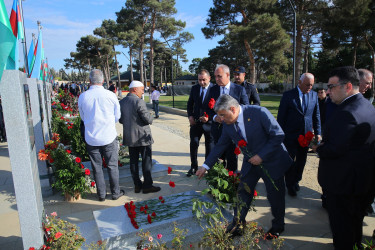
{"points": [[331, 86]]}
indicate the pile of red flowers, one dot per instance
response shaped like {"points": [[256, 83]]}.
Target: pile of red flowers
{"points": [[305, 140], [132, 214]]}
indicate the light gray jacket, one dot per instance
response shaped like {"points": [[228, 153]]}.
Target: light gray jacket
{"points": [[136, 120]]}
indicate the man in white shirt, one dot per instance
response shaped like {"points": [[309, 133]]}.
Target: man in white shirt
{"points": [[155, 100], [100, 110]]}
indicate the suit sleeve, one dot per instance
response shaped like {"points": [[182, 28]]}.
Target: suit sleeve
{"points": [[218, 149], [274, 132], [282, 112], [316, 118], [143, 112], [190, 104], [244, 99], [255, 96]]}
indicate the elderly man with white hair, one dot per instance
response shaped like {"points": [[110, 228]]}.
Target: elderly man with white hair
{"points": [[100, 110], [136, 120]]}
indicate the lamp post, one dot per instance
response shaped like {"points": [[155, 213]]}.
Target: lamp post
{"points": [[171, 70], [294, 42]]}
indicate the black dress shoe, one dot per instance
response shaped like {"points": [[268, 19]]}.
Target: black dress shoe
{"points": [[292, 191], [152, 189], [137, 189], [273, 233], [122, 193], [101, 199], [191, 172], [297, 187], [235, 229]]}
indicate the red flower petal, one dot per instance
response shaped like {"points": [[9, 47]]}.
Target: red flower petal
{"points": [[237, 151], [171, 183]]}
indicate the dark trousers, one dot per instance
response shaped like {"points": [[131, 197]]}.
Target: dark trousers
{"points": [[146, 156], [110, 154], [196, 132], [229, 156], [155, 106], [346, 214], [294, 173], [275, 198]]}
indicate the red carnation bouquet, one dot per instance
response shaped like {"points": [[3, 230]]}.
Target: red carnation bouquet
{"points": [[307, 140]]}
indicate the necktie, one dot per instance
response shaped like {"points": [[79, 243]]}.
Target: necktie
{"points": [[201, 96], [304, 103], [222, 90], [239, 132]]}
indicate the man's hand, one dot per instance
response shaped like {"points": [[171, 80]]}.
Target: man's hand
{"points": [[191, 120], [314, 147], [217, 119], [255, 160], [318, 138], [201, 172], [203, 119]]}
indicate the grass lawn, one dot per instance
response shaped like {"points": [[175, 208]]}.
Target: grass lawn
{"points": [[180, 102]]}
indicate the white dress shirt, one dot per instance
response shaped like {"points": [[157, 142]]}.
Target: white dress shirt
{"points": [[155, 95], [99, 110]]}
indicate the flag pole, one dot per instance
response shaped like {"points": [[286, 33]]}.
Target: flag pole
{"points": [[24, 40]]}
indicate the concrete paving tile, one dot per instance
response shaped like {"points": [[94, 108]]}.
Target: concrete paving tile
{"points": [[10, 227]]}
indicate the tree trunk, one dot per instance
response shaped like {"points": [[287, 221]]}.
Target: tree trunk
{"points": [[249, 51], [141, 62], [152, 49], [355, 46], [298, 50], [373, 57], [131, 63], [118, 74]]}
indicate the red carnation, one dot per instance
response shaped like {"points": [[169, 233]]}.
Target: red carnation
{"points": [[153, 214], [309, 136], [58, 235], [211, 103], [149, 219], [171, 183], [302, 141], [78, 160], [92, 183], [82, 166], [142, 209], [255, 193], [237, 151], [87, 172], [160, 197], [230, 173], [205, 115], [162, 201], [169, 170], [68, 151], [146, 207], [242, 143]]}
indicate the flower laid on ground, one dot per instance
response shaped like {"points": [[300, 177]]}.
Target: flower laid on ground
{"points": [[53, 214], [211, 103], [160, 236], [149, 219], [172, 184], [169, 170]]}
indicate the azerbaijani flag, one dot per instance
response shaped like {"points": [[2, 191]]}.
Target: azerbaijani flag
{"points": [[17, 28], [7, 39], [31, 57], [39, 56]]}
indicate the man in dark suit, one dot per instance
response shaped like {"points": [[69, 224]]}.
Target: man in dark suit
{"points": [[264, 139], [225, 86], [298, 114], [200, 124], [346, 167], [136, 121], [251, 91]]}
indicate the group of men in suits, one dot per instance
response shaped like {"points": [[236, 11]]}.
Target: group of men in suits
{"points": [[202, 117], [346, 168]]}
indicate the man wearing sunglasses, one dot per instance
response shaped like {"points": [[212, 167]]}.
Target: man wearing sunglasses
{"points": [[346, 167]]}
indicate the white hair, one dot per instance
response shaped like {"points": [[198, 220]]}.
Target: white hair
{"points": [[96, 76], [224, 67], [306, 75]]}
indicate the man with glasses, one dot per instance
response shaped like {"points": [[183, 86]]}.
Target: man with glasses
{"points": [[346, 167], [298, 113]]}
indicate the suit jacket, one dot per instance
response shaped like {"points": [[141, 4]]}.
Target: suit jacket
{"points": [[252, 93], [292, 119], [195, 107], [347, 158], [264, 137], [136, 121]]}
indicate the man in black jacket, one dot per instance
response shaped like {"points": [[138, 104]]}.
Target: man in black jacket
{"points": [[197, 109], [251, 90]]}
